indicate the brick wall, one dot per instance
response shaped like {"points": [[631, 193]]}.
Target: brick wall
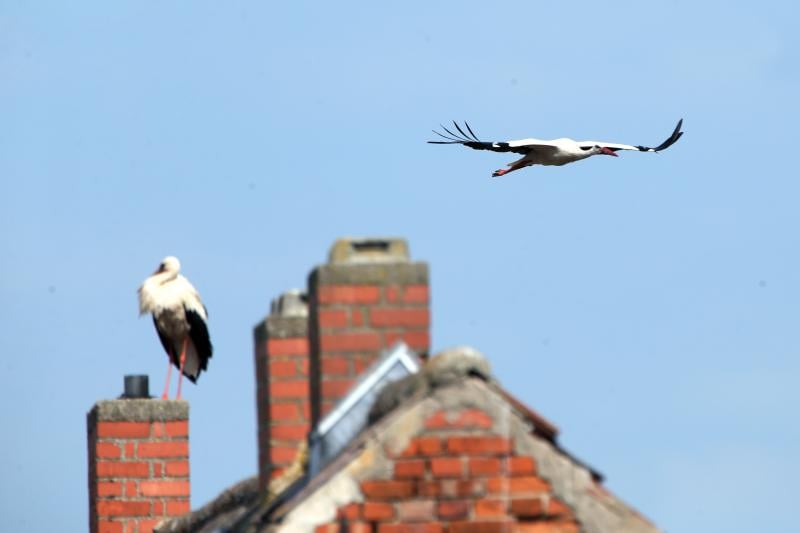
{"points": [[138, 464], [457, 476], [282, 388], [366, 298]]}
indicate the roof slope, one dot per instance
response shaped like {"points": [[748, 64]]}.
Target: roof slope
{"points": [[446, 446]]}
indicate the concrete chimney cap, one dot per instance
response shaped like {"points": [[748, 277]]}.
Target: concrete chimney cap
{"points": [[355, 250], [293, 302]]}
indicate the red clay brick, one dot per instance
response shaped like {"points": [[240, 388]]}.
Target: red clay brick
{"points": [[336, 388], [417, 339], [409, 468], [107, 450], [348, 294], [490, 508], [359, 527], [486, 526], [292, 346], [335, 365], [454, 509], [357, 317], [517, 485], [350, 342], [392, 317], [332, 318], [447, 467], [484, 466], [177, 468], [478, 445], [114, 469], [284, 411], [105, 526], [351, 511], [373, 511], [164, 488], [521, 466], [147, 526], [157, 469], [177, 508], [105, 489], [286, 368], [123, 430], [289, 432], [122, 508], [416, 294], [164, 449], [387, 489], [131, 489], [428, 446], [527, 507], [130, 450], [431, 527], [289, 389], [282, 454], [392, 293], [416, 510]]}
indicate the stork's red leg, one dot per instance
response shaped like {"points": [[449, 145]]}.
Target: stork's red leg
{"points": [[165, 395], [183, 360]]}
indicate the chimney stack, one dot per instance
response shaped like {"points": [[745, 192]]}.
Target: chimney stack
{"points": [[282, 390], [310, 350], [367, 297], [138, 460]]}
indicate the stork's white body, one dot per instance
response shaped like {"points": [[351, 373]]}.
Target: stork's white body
{"points": [[179, 316]]}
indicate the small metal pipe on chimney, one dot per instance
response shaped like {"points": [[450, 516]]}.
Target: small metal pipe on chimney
{"points": [[136, 386]]}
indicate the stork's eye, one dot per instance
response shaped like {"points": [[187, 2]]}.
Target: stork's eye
{"points": [[584, 148]]}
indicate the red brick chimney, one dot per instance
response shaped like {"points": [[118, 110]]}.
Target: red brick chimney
{"points": [[138, 463], [367, 297], [282, 362], [308, 354]]}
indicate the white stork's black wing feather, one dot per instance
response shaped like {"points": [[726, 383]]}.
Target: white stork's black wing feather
{"points": [[198, 332], [473, 142]]}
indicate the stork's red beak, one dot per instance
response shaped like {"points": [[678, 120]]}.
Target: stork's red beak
{"points": [[608, 151]]}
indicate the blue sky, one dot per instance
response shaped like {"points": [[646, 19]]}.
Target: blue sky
{"points": [[647, 304]]}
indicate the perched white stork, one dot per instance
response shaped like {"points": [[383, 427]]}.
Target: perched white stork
{"points": [[538, 152], [180, 320]]}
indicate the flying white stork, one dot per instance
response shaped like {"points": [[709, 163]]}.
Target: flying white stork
{"points": [[180, 320], [555, 152]]}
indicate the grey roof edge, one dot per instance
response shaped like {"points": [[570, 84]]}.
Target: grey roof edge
{"points": [[138, 410]]}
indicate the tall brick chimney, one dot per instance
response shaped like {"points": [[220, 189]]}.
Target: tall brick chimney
{"points": [[138, 463], [282, 390], [367, 297], [310, 351]]}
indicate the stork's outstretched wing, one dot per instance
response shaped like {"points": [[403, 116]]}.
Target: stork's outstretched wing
{"points": [[676, 134], [471, 140]]}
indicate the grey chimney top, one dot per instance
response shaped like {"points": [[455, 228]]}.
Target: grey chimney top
{"points": [[293, 302], [360, 250]]}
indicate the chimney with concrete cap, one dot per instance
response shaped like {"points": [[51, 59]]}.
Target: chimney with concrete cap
{"points": [[310, 350], [282, 390], [138, 460], [367, 297]]}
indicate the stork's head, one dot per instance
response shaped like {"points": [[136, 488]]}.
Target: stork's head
{"points": [[169, 264], [605, 151]]}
